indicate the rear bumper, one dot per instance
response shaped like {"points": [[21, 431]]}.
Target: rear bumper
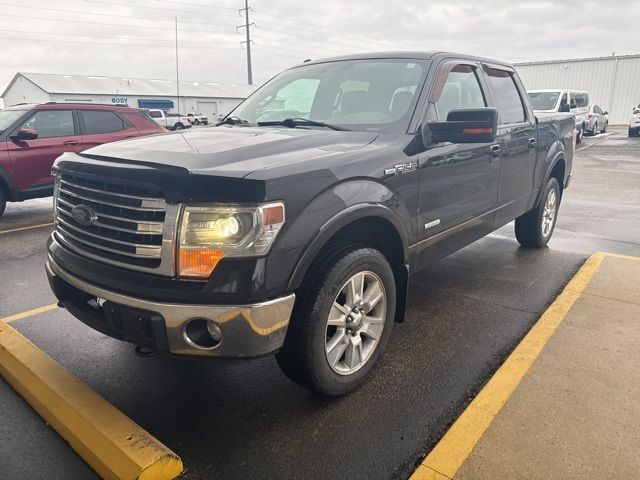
{"points": [[247, 330]]}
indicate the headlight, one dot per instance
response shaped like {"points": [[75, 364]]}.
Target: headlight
{"points": [[211, 232]]}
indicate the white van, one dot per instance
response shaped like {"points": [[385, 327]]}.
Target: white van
{"points": [[562, 100]]}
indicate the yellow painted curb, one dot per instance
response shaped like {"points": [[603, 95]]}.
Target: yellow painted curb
{"points": [[456, 445], [112, 444]]}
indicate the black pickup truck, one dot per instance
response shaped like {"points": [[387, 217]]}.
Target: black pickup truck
{"points": [[293, 226]]}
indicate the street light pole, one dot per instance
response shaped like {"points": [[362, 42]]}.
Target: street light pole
{"points": [[177, 69]]}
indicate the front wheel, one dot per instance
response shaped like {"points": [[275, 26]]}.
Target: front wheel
{"points": [[604, 129], [534, 228], [343, 322]]}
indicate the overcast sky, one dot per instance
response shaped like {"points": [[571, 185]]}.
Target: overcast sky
{"points": [[135, 38]]}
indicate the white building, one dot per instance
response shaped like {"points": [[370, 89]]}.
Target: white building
{"points": [[208, 98], [613, 82]]}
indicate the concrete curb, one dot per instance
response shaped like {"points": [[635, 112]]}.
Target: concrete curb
{"points": [[112, 444]]}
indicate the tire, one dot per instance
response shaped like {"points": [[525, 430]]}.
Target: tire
{"points": [[325, 358], [604, 129], [196, 122], [3, 201], [580, 135], [178, 126], [595, 129], [632, 132], [535, 228]]}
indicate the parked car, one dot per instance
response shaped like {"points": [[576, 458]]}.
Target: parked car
{"points": [[634, 122], [563, 100], [170, 121], [198, 118], [596, 121], [33, 136], [294, 226]]}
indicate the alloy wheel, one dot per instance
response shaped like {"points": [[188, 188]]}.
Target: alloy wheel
{"points": [[355, 323], [549, 213]]}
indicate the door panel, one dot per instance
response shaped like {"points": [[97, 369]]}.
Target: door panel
{"points": [[32, 159], [458, 182], [517, 137]]}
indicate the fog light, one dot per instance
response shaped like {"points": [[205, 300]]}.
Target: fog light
{"points": [[202, 333]]}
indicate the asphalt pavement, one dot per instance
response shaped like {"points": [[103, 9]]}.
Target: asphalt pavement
{"points": [[246, 420]]}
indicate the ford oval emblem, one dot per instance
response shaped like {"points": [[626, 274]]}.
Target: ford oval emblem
{"points": [[83, 215]]}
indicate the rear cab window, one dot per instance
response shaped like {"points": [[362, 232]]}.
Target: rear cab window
{"points": [[511, 108]]}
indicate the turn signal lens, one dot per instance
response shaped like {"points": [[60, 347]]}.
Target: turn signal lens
{"points": [[198, 262]]}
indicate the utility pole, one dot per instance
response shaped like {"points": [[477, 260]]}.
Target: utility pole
{"points": [[247, 26], [177, 69]]}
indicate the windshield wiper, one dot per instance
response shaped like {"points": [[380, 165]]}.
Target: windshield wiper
{"points": [[294, 122], [233, 120]]}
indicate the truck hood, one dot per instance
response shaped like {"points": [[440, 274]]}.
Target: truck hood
{"points": [[231, 151]]}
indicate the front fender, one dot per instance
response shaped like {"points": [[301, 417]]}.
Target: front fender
{"points": [[337, 207]]}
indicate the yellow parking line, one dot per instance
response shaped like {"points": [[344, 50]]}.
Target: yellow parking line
{"points": [[11, 230], [114, 446], [29, 313], [457, 444], [595, 143]]}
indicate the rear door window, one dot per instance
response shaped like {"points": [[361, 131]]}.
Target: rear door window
{"points": [[102, 121], [510, 106], [52, 123]]}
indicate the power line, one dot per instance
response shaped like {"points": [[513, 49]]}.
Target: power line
{"points": [[174, 10], [154, 39], [137, 27], [101, 14], [343, 33], [122, 44]]}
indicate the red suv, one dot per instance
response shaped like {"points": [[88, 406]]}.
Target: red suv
{"points": [[33, 136]]}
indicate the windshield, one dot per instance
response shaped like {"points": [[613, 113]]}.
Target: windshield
{"points": [[371, 95], [7, 117], [544, 100]]}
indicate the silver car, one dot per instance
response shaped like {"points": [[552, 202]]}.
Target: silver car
{"points": [[596, 121]]}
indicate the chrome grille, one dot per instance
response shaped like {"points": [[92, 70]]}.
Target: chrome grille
{"points": [[128, 222]]}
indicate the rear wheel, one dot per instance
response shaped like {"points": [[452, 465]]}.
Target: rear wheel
{"points": [[178, 126], [579, 135], [3, 201], [343, 322], [534, 228]]}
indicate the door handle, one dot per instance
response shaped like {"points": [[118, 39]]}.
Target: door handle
{"points": [[495, 152], [70, 143], [532, 143]]}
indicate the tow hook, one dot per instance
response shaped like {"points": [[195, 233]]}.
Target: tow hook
{"points": [[145, 351]]}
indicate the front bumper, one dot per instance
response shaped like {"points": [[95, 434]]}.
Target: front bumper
{"points": [[247, 330]]}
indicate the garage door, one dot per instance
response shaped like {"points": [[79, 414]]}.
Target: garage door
{"points": [[209, 109]]}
